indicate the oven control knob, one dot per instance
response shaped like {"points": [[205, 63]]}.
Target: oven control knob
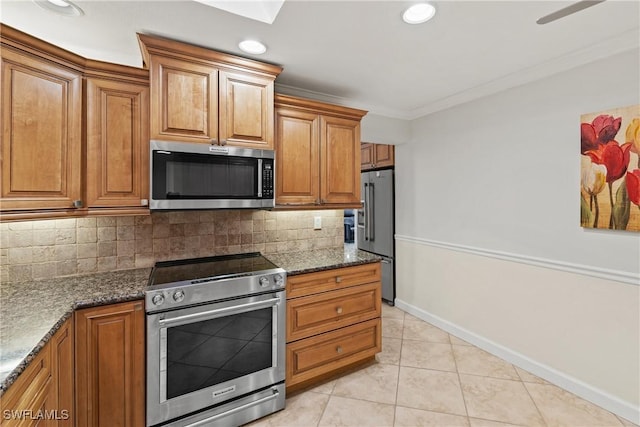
{"points": [[264, 281], [178, 296], [279, 280], [157, 299]]}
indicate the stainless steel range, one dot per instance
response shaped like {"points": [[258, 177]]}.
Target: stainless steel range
{"points": [[215, 341]]}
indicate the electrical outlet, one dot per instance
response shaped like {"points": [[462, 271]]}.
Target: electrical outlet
{"points": [[317, 222]]}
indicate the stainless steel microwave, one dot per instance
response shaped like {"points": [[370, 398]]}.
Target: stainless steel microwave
{"points": [[202, 176]]}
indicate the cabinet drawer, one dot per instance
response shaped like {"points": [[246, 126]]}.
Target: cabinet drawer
{"points": [[328, 280], [31, 388], [322, 354], [316, 314]]}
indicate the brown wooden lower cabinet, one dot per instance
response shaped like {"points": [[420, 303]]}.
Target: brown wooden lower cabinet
{"points": [[43, 394], [316, 356], [110, 377], [333, 322]]}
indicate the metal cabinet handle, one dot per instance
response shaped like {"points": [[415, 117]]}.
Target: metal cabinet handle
{"points": [[338, 279], [77, 204], [339, 349], [214, 141], [206, 315], [208, 421], [339, 310]]}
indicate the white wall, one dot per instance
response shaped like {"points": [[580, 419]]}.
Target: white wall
{"points": [[384, 130], [488, 218]]}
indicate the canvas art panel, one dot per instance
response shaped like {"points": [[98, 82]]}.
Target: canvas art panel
{"points": [[610, 169]]}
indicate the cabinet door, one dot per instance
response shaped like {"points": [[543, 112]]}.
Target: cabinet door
{"points": [[340, 160], [383, 155], [366, 156], [117, 144], [297, 158], [62, 363], [184, 100], [110, 365], [41, 133], [246, 110]]}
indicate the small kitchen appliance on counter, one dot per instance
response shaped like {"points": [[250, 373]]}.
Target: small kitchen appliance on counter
{"points": [[215, 341]]}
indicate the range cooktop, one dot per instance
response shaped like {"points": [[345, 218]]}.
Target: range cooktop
{"points": [[216, 267], [184, 282]]}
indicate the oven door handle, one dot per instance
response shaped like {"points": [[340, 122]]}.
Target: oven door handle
{"points": [[188, 318], [208, 420]]}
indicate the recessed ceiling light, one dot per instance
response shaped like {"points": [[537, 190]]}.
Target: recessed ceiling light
{"points": [[61, 7], [252, 46], [419, 13]]}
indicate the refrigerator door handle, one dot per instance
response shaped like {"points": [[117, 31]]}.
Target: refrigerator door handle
{"points": [[366, 211], [370, 205]]}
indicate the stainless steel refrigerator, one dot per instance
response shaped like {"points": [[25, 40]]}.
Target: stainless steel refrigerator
{"points": [[375, 228]]}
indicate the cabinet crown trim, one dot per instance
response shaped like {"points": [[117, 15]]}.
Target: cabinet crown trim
{"points": [[166, 47], [35, 46], [318, 107], [89, 67]]}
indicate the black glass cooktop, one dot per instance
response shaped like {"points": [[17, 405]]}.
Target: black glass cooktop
{"points": [[196, 269]]}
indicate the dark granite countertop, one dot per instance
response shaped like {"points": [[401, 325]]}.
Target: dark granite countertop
{"points": [[321, 259], [31, 312]]}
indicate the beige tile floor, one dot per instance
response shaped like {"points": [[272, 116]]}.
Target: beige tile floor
{"points": [[426, 377]]}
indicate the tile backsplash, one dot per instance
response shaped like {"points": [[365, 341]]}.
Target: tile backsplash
{"points": [[52, 248]]}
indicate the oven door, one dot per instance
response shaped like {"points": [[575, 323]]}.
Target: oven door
{"points": [[201, 356]]}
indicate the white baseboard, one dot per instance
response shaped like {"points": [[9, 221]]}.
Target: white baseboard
{"points": [[601, 398]]}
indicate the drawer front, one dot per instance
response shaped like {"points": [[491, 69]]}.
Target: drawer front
{"points": [[31, 389], [315, 314], [329, 280], [322, 354]]}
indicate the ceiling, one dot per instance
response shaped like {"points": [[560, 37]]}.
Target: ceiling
{"points": [[360, 53]]}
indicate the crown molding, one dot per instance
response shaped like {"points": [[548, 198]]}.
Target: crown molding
{"points": [[621, 43]]}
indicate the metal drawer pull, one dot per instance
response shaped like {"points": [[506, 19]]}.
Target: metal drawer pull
{"points": [[209, 420], [339, 310], [206, 315], [338, 349], [338, 279]]}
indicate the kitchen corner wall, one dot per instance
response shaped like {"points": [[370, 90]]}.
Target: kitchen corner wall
{"points": [[489, 241], [52, 248]]}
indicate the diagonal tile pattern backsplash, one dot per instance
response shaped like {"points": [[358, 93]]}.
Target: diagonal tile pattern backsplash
{"points": [[52, 248]]}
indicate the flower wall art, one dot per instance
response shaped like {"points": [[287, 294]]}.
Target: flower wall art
{"points": [[610, 169]]}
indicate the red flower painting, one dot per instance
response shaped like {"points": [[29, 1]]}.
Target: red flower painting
{"points": [[633, 186], [600, 131], [608, 162]]}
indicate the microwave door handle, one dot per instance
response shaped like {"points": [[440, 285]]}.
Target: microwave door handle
{"points": [[210, 314], [259, 178]]}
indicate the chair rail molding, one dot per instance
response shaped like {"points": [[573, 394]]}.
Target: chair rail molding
{"points": [[587, 270]]}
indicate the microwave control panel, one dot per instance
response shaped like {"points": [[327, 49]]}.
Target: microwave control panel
{"points": [[267, 179]]}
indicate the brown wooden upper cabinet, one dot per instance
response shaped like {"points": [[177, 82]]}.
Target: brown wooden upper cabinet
{"points": [[42, 126], [317, 154], [117, 120], [75, 135], [374, 156], [200, 95]]}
